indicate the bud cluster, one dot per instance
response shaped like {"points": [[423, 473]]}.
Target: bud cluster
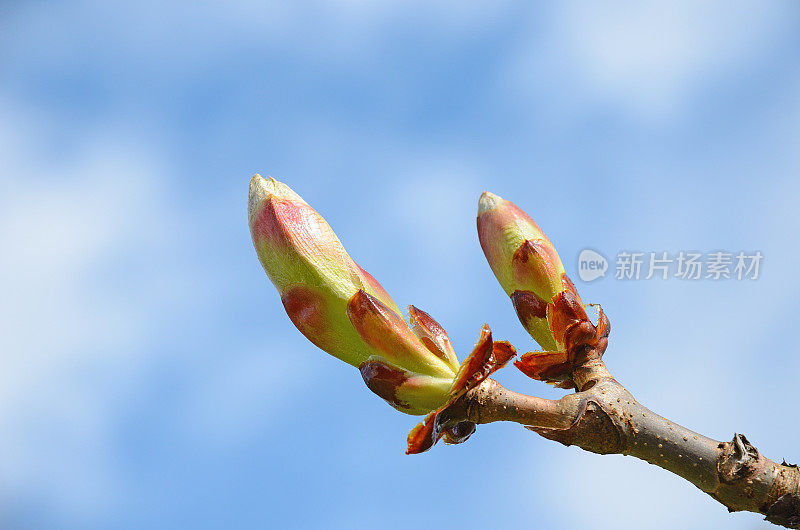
{"points": [[344, 311]]}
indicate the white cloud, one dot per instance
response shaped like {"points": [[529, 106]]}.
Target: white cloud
{"points": [[72, 323], [100, 261], [646, 58]]}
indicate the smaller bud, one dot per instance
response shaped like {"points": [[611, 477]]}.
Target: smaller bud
{"points": [[530, 271], [524, 261]]}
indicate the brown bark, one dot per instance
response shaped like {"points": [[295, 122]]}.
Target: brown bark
{"points": [[605, 418]]}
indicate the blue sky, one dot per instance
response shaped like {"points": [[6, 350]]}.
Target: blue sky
{"points": [[150, 377]]}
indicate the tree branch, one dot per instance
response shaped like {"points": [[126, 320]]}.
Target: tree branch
{"points": [[605, 418]]}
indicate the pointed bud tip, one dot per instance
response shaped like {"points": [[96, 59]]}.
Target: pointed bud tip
{"points": [[488, 201], [262, 189], [258, 194]]}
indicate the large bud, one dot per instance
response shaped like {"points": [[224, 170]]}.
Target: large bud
{"points": [[339, 307], [530, 271]]}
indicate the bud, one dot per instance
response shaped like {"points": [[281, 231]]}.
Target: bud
{"points": [[528, 268], [340, 308], [310, 268]]}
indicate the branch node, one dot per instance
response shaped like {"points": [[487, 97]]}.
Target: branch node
{"points": [[596, 429], [738, 459]]}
